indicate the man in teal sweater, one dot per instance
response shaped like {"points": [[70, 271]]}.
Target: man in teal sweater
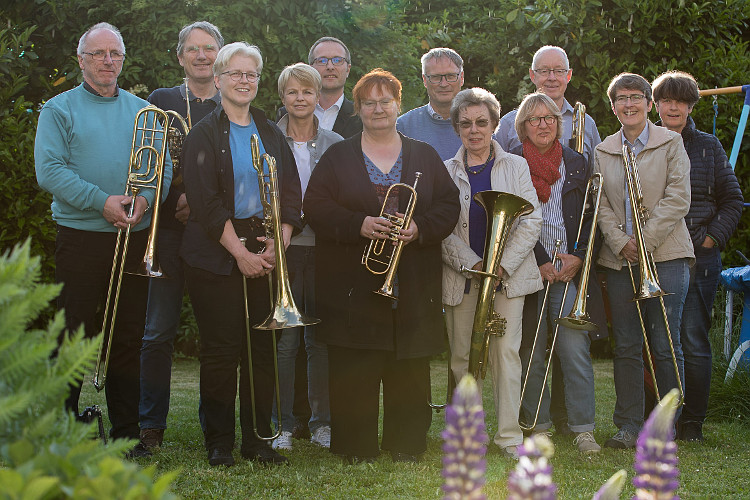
{"points": [[82, 153]]}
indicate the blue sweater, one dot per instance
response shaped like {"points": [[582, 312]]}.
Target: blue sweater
{"points": [[419, 125], [81, 154]]}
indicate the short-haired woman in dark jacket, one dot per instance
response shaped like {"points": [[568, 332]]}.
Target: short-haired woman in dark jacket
{"points": [[225, 204], [715, 209]]}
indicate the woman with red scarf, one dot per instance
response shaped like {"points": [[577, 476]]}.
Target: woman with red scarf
{"points": [[559, 175]]}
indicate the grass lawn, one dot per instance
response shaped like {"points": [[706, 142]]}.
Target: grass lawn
{"points": [[716, 469]]}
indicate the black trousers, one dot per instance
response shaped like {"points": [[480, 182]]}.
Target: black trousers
{"points": [[354, 380], [83, 261], [220, 313]]}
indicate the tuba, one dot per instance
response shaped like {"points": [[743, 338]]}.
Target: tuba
{"points": [[285, 313], [145, 171], [648, 283], [579, 126], [502, 210], [374, 258]]}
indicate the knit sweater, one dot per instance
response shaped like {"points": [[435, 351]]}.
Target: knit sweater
{"points": [[81, 154], [419, 125]]}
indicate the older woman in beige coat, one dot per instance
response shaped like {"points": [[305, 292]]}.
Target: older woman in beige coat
{"points": [[475, 114]]}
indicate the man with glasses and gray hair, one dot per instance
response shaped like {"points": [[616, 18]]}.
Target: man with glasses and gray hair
{"points": [[82, 154], [550, 72], [331, 57], [443, 77], [197, 46]]}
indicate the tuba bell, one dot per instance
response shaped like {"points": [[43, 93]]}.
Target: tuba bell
{"points": [[502, 210]]}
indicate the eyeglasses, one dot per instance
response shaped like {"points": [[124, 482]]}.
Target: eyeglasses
{"points": [[534, 121], [194, 49], [634, 98], [237, 76], [336, 61], [384, 103], [545, 72], [100, 55], [480, 123], [449, 78]]}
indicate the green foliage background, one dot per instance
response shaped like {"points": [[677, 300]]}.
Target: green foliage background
{"points": [[496, 38]]}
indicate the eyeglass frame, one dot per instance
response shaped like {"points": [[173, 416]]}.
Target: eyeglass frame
{"points": [[373, 104], [545, 72], [247, 74], [195, 49], [317, 61], [633, 98], [101, 55], [440, 77], [535, 121]]}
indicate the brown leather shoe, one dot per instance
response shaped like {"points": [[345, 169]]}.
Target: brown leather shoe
{"points": [[152, 438]]}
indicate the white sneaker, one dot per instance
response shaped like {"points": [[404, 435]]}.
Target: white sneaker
{"points": [[322, 436], [283, 442]]}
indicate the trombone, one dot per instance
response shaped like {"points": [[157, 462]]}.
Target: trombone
{"points": [[285, 313], [578, 318], [145, 171], [579, 126], [648, 284], [502, 210], [375, 259]]}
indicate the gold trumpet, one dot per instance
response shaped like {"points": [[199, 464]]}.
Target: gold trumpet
{"points": [[375, 259], [502, 210], [145, 171], [578, 318], [648, 284], [285, 313], [579, 126]]}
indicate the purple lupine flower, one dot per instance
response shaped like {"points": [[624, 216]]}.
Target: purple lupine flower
{"points": [[656, 453], [613, 487], [532, 477], [464, 443]]}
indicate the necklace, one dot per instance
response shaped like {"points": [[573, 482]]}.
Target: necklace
{"points": [[486, 164]]}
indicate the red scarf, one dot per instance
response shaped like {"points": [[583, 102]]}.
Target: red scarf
{"points": [[544, 167]]}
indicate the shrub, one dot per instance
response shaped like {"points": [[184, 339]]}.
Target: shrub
{"points": [[45, 452]]}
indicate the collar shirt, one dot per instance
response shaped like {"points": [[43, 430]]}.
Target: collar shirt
{"points": [[327, 117], [93, 91], [434, 114], [553, 225]]}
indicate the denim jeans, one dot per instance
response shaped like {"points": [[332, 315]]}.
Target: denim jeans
{"points": [[577, 372], [696, 322], [301, 265], [628, 364], [162, 320]]}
